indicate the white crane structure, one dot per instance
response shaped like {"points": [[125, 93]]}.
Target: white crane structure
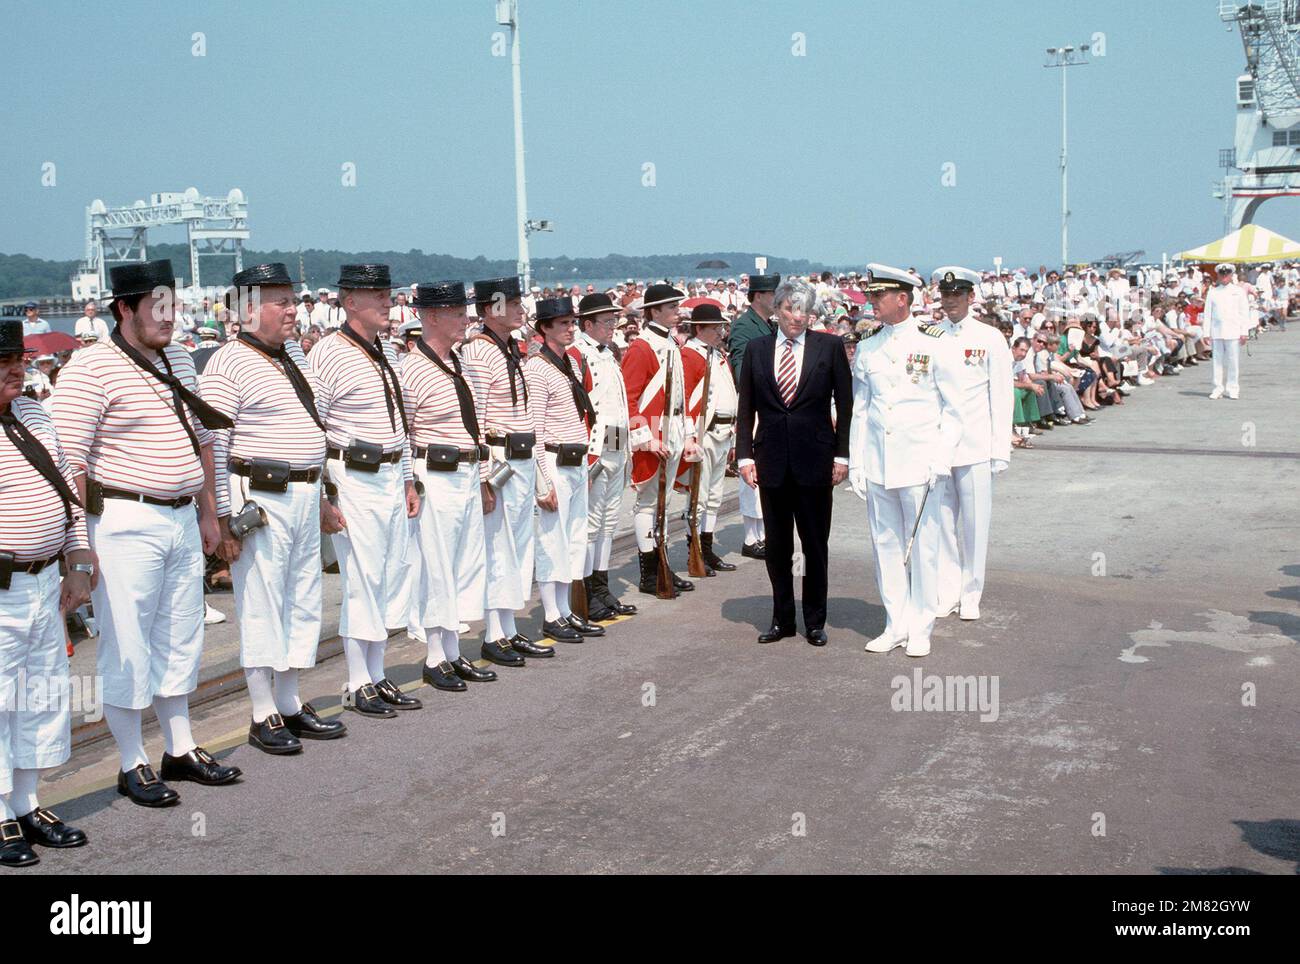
{"points": [[213, 225], [1265, 159]]}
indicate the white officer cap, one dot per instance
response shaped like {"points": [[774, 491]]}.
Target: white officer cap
{"points": [[1225, 268], [882, 277], [411, 327], [954, 278]]}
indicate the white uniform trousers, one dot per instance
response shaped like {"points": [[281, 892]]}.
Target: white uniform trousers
{"points": [[964, 515], [508, 529], [647, 498], [908, 597], [149, 602], [1227, 355], [35, 708], [403, 573], [605, 497], [713, 474], [451, 564], [277, 577], [562, 534], [374, 507]]}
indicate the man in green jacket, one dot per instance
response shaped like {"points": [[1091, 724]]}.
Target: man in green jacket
{"points": [[752, 323]]}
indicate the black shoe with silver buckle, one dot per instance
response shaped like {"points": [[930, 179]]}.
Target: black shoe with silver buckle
{"points": [[390, 694], [366, 702], [44, 827], [500, 651], [522, 644], [272, 736], [306, 724], [15, 851], [561, 631], [471, 673], [198, 766], [443, 677], [142, 786], [753, 550]]}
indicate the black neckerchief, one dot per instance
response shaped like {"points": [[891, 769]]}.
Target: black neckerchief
{"points": [[376, 355], [181, 396], [580, 398], [41, 460], [301, 387], [463, 395], [511, 350], [661, 332]]}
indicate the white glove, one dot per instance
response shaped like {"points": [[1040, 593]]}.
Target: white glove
{"points": [[998, 465], [858, 482]]}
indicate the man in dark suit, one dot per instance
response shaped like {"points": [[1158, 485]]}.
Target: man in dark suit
{"points": [[789, 380]]}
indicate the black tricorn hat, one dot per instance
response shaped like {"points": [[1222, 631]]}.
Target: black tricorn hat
{"points": [[140, 278], [707, 314], [274, 273], [596, 304], [661, 295], [485, 291], [364, 276], [439, 294], [764, 282], [553, 309], [11, 336]]}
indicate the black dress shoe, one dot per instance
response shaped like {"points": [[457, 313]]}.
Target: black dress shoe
{"points": [[523, 645], [753, 550], [306, 724], [15, 851], [500, 651], [775, 633], [682, 585], [198, 766], [366, 701], [583, 626], [443, 677], [561, 631], [468, 671], [272, 736], [598, 612], [45, 828], [142, 786], [390, 694], [817, 637]]}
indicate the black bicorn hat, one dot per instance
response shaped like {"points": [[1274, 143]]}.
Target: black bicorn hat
{"points": [[440, 294], [661, 295], [552, 309], [274, 273], [707, 314], [485, 291], [11, 336], [140, 278], [596, 304], [364, 276], [764, 282]]}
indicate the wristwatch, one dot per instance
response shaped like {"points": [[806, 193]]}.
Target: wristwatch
{"points": [[87, 567]]}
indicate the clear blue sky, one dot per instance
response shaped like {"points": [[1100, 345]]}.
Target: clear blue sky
{"points": [[835, 156]]}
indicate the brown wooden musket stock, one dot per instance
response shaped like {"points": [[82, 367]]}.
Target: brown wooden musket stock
{"points": [[578, 598]]}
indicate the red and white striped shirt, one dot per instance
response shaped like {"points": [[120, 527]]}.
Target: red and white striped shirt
{"points": [[556, 418], [270, 421], [33, 524], [488, 375], [350, 397], [432, 405], [118, 424]]}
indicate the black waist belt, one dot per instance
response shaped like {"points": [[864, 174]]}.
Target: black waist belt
{"points": [[476, 454], [722, 420], [32, 568], [151, 500], [518, 445], [394, 456], [568, 454], [240, 467]]}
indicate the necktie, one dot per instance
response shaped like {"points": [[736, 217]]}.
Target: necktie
{"points": [[181, 396], [463, 396], [511, 351], [580, 397], [39, 457], [785, 380], [393, 393], [297, 379]]}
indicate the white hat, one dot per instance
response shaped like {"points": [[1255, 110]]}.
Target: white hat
{"points": [[952, 274], [882, 277], [410, 327], [1221, 268]]}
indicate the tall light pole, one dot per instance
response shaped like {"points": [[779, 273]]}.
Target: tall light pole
{"points": [[1065, 57]]}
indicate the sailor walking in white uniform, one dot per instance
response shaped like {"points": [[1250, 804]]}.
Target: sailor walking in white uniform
{"points": [[1226, 320]]}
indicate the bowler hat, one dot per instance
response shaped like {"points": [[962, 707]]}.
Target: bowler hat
{"points": [[440, 294], [553, 309], [140, 277], [661, 294], [706, 314], [374, 276], [596, 304]]}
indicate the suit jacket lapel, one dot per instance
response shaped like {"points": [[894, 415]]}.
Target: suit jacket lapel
{"points": [[809, 361]]}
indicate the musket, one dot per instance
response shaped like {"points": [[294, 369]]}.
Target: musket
{"points": [[695, 557], [664, 577], [578, 598]]}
